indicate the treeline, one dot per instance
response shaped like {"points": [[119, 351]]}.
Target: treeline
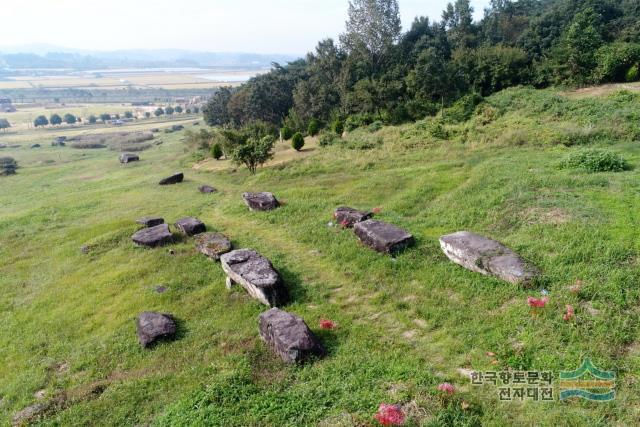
{"points": [[378, 73]]}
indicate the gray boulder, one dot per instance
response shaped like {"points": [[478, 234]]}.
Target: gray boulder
{"points": [[289, 337], [382, 237], [206, 189], [154, 326], [260, 201], [150, 221], [173, 179], [213, 245], [153, 236], [256, 274], [190, 226], [128, 158], [349, 216], [486, 256]]}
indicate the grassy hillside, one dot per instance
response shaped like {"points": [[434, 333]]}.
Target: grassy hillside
{"points": [[405, 324]]}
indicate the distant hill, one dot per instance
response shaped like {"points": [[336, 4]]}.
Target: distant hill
{"points": [[48, 56]]}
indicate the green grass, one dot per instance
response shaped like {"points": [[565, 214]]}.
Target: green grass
{"points": [[404, 324]]}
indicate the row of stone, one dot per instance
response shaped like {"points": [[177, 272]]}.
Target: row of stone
{"points": [[287, 334]]}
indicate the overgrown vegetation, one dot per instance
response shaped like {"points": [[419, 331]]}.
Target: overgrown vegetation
{"points": [[595, 161], [379, 73]]}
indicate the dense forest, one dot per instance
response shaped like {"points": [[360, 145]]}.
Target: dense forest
{"points": [[376, 72]]}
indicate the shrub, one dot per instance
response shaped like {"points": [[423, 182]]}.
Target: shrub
{"points": [[437, 130], [462, 109], [92, 119], [313, 128], [327, 139], [632, 74], [363, 141], [375, 126], [359, 120], [297, 142], [8, 166], [254, 152], [595, 161], [216, 151], [286, 133], [337, 127]]}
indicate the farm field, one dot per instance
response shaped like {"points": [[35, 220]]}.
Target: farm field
{"points": [[405, 324], [118, 80]]}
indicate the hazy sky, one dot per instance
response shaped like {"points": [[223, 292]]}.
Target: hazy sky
{"points": [[262, 26]]}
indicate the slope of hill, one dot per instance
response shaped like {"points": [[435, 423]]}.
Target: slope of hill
{"points": [[404, 324]]}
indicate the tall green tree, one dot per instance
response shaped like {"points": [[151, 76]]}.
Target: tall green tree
{"points": [[372, 28]]}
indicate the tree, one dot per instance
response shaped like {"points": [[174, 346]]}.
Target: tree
{"points": [[92, 119], [297, 142], [178, 109], [40, 121], [196, 110], [128, 114], [216, 151], [582, 40], [4, 125], [373, 27], [458, 20], [70, 119], [254, 152], [215, 111], [313, 128], [188, 111], [159, 112], [105, 117], [147, 114], [286, 133], [55, 119], [169, 110]]}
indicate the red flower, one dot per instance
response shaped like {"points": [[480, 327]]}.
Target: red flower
{"points": [[344, 224], [376, 210], [537, 302], [570, 314], [447, 388], [390, 415], [327, 324]]}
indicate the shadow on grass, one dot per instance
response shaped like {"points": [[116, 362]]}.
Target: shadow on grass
{"points": [[295, 288]]}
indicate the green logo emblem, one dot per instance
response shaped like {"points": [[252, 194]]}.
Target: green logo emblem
{"points": [[588, 382]]}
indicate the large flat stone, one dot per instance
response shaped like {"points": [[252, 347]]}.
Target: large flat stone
{"points": [[348, 217], [153, 236], [289, 336], [213, 245], [150, 221], [128, 158], [207, 189], [256, 274], [486, 256], [173, 179], [382, 237], [152, 327], [190, 226], [260, 201]]}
